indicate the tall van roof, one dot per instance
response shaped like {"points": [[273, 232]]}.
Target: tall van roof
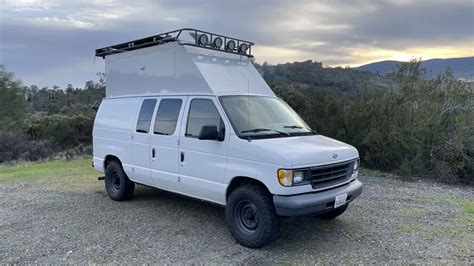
{"points": [[179, 67]]}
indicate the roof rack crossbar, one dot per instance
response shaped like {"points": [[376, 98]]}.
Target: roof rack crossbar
{"points": [[173, 36]]}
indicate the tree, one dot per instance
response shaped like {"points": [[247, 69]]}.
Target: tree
{"points": [[13, 105]]}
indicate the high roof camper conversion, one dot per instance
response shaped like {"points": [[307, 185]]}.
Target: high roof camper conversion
{"points": [[186, 111]]}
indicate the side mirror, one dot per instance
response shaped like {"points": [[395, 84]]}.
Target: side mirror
{"points": [[209, 133]]}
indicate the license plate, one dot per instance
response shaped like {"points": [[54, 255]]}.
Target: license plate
{"points": [[340, 200]]}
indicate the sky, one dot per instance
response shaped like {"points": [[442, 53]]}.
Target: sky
{"points": [[52, 42]]}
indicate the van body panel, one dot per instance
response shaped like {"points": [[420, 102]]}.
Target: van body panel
{"points": [[171, 68], [112, 131], [203, 162], [141, 150], [164, 161], [261, 158], [141, 160], [228, 74], [117, 114], [312, 150], [160, 70], [256, 151]]}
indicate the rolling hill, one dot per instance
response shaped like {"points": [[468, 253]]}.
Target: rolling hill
{"points": [[463, 68], [312, 75]]}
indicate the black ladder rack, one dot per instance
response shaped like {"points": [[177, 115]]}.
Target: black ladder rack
{"points": [[173, 36]]}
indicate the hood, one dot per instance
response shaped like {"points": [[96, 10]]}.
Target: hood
{"points": [[312, 150]]}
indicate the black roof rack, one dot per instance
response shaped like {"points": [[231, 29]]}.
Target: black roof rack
{"points": [[210, 41]]}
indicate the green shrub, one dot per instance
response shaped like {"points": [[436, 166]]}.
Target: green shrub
{"points": [[424, 127], [63, 131], [16, 146]]}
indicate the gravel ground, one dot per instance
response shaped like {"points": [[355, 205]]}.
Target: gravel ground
{"points": [[394, 221]]}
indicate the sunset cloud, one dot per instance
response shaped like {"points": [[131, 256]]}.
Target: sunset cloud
{"points": [[54, 41]]}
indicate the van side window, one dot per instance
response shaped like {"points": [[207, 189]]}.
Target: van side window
{"points": [[167, 116], [202, 112], [144, 118]]}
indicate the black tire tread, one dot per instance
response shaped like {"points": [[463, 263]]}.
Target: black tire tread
{"points": [[267, 215], [126, 192]]}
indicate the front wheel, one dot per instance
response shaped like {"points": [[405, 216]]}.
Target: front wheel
{"points": [[251, 216], [117, 184]]}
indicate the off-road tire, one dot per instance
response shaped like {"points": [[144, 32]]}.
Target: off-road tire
{"points": [[334, 213], [242, 203], [117, 184]]}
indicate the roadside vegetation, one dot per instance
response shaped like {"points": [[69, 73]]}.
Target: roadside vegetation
{"points": [[37, 124], [401, 123], [414, 127]]}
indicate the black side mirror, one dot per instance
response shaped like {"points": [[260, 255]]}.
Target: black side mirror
{"points": [[209, 133]]}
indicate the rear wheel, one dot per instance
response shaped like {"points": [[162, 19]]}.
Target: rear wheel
{"points": [[117, 184], [334, 213], [251, 216]]}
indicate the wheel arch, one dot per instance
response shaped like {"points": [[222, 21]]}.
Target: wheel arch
{"points": [[242, 180], [109, 158]]}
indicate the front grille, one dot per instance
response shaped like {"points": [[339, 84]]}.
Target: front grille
{"points": [[329, 175]]}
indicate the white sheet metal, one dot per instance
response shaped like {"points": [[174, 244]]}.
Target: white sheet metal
{"points": [[173, 69]]}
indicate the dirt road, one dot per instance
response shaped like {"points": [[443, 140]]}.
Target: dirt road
{"points": [[67, 218]]}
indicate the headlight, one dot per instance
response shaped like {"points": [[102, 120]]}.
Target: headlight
{"points": [[356, 164], [298, 177], [290, 178]]}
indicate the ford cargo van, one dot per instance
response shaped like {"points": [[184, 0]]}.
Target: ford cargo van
{"points": [[187, 112]]}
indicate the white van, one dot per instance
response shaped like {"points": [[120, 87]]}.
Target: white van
{"points": [[187, 112]]}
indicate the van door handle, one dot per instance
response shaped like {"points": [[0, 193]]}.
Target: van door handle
{"points": [[182, 156], [153, 153]]}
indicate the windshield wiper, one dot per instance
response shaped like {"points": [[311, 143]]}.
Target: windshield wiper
{"points": [[294, 126], [255, 130], [300, 127]]}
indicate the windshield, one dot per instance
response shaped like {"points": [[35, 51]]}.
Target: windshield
{"points": [[263, 117]]}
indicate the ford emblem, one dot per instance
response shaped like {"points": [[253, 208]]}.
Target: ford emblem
{"points": [[334, 156]]}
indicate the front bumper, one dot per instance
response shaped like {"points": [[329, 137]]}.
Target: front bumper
{"points": [[315, 203]]}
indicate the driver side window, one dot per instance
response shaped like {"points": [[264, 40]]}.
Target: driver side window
{"points": [[203, 112]]}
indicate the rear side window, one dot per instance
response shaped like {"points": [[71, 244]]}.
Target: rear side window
{"points": [[144, 118], [202, 112], [167, 116]]}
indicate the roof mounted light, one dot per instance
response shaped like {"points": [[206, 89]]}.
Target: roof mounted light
{"points": [[230, 46], [203, 39], [243, 48], [217, 43]]}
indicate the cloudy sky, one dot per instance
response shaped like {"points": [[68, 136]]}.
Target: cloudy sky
{"points": [[52, 42]]}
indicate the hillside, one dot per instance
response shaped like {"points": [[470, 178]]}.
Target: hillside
{"points": [[463, 68], [312, 75]]}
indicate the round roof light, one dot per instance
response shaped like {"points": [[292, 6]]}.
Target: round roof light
{"points": [[217, 43], [203, 39], [243, 48], [230, 45]]}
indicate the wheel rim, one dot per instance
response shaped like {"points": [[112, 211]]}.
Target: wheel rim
{"points": [[247, 217], [115, 182]]}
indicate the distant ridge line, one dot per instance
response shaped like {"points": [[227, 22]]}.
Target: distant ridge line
{"points": [[462, 67]]}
